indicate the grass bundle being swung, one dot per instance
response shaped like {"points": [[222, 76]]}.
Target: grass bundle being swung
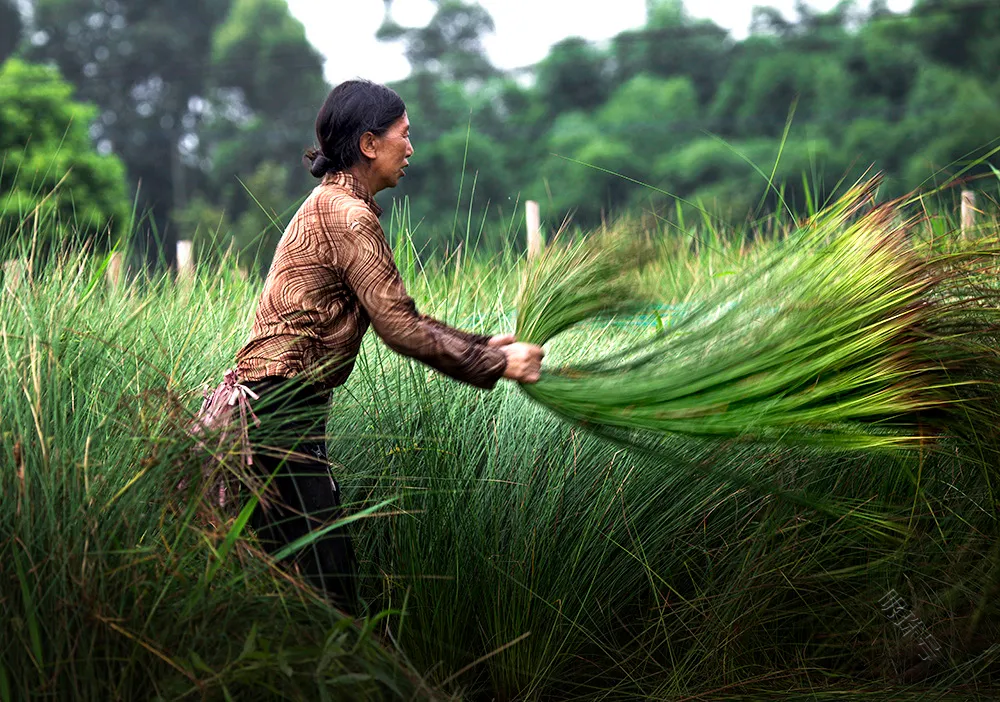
{"points": [[845, 336]]}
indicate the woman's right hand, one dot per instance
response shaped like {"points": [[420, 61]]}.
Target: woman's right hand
{"points": [[524, 362]]}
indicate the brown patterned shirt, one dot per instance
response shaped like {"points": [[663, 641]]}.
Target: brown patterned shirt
{"points": [[332, 275]]}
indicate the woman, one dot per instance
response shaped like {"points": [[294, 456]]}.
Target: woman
{"points": [[332, 276]]}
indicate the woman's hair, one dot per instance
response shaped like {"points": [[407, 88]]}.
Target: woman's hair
{"points": [[351, 109]]}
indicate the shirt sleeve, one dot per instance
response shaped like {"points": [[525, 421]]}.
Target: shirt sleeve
{"points": [[370, 271], [460, 333]]}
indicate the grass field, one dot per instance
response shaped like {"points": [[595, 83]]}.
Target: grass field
{"points": [[506, 554]]}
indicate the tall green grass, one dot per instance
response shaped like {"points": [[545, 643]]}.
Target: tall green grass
{"points": [[542, 561], [845, 334], [112, 585], [519, 558]]}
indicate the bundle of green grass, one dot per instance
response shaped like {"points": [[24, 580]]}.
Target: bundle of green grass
{"points": [[850, 334]]}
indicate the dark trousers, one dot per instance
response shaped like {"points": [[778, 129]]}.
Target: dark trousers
{"points": [[304, 496]]}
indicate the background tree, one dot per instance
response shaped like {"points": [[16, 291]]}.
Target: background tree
{"points": [[960, 34], [210, 105], [573, 186], [451, 74], [264, 89], [672, 44], [451, 45], [143, 65], [574, 76], [190, 95], [51, 170], [949, 118]]}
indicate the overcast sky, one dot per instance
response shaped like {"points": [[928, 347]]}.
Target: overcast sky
{"points": [[525, 29]]}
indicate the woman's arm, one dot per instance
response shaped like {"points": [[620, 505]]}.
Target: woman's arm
{"points": [[460, 333], [369, 270]]}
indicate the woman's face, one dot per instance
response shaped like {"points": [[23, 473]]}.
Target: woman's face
{"points": [[390, 155]]}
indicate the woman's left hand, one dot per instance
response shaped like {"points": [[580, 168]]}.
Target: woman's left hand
{"points": [[524, 361], [501, 340]]}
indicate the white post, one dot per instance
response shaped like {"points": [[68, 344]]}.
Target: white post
{"points": [[15, 272], [114, 270], [185, 261], [533, 218], [968, 211]]}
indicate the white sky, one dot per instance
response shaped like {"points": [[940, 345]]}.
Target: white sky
{"points": [[525, 29]]}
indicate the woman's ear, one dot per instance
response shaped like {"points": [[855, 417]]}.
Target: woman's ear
{"points": [[369, 145]]}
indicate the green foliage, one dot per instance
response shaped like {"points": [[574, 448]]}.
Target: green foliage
{"points": [[572, 77], [437, 106], [251, 231], [578, 185], [51, 171], [197, 99], [856, 90], [287, 72], [451, 43], [190, 95], [667, 44], [713, 169], [959, 34], [949, 117], [876, 142], [143, 64], [463, 165], [651, 115], [251, 176], [817, 87], [886, 62]]}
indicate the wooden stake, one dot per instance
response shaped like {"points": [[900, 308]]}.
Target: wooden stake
{"points": [[15, 272], [185, 261], [968, 211], [114, 270], [533, 218]]}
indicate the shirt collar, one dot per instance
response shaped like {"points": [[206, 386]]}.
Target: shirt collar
{"points": [[350, 183]]}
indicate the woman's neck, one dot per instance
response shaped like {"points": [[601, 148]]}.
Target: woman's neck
{"points": [[364, 176]]}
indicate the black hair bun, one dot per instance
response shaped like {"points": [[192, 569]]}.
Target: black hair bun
{"points": [[318, 164]]}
